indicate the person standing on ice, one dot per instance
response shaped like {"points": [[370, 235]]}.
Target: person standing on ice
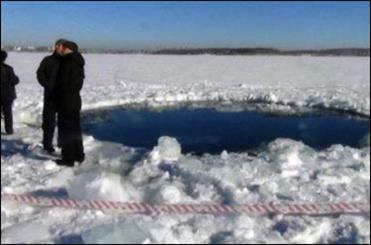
{"points": [[47, 75], [8, 93], [69, 83]]}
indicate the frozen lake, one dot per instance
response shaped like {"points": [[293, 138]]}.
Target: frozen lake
{"points": [[286, 171]]}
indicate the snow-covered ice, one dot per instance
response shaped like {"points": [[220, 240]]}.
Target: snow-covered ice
{"points": [[288, 171]]}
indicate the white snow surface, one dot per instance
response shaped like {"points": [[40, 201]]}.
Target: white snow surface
{"points": [[288, 171]]}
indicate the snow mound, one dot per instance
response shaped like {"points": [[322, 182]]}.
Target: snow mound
{"points": [[96, 185]]}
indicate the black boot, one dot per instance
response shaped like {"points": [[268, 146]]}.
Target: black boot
{"points": [[62, 162], [9, 132], [80, 158], [8, 118], [49, 150]]}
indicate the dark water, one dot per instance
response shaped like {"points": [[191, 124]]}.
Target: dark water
{"points": [[208, 130]]}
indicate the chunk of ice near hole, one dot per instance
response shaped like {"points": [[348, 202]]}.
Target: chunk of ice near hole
{"points": [[287, 155], [224, 155], [365, 141], [168, 149]]}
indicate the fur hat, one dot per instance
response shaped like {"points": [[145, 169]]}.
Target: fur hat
{"points": [[61, 41], [72, 45]]}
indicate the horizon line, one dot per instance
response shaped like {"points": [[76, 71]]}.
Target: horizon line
{"points": [[192, 48]]}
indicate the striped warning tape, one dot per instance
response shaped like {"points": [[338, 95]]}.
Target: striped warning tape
{"points": [[145, 208]]}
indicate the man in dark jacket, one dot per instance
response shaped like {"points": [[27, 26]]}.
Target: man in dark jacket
{"points": [[8, 94], [47, 75], [69, 83]]}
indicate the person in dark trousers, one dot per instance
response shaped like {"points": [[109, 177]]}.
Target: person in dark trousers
{"points": [[47, 75], [69, 83], [8, 93]]}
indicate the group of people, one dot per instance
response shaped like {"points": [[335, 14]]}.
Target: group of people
{"points": [[61, 75]]}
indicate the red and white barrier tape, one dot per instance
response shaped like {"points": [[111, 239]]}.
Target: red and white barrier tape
{"points": [[145, 208]]}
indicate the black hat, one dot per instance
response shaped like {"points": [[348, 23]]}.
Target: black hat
{"points": [[61, 41], [72, 45], [3, 55]]}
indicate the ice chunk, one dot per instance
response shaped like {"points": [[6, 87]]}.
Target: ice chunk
{"points": [[272, 97], [30, 118], [365, 159], [245, 227], [169, 194], [61, 177], [25, 232], [286, 153], [127, 232], [168, 149], [313, 234], [365, 141], [113, 157], [224, 155]]}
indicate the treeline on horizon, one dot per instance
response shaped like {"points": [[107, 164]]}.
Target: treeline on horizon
{"points": [[221, 51]]}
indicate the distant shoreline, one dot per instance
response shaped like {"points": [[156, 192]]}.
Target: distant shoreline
{"points": [[360, 52], [267, 51]]}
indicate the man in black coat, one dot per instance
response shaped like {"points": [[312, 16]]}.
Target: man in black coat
{"points": [[47, 75], [69, 83], [8, 94]]}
